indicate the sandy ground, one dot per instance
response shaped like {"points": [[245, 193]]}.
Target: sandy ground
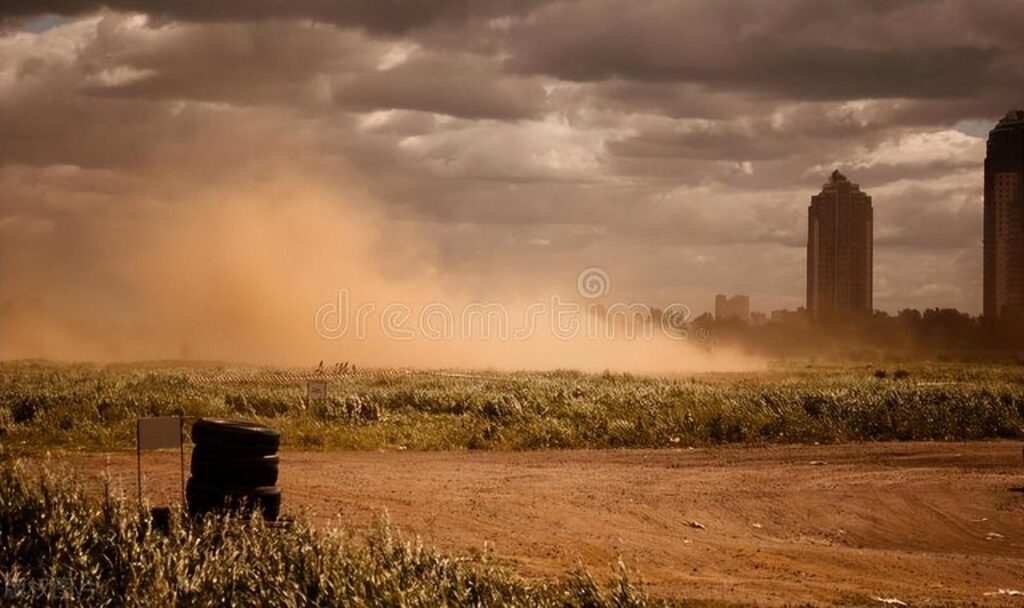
{"points": [[926, 523]]}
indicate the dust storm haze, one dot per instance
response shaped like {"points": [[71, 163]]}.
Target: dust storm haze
{"points": [[228, 256], [187, 182]]}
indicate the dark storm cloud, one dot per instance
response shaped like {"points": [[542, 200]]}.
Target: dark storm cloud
{"points": [[779, 135], [387, 16], [463, 86], [700, 144], [245, 64], [800, 49], [529, 137]]}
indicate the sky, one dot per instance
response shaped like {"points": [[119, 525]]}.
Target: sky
{"points": [[499, 147]]}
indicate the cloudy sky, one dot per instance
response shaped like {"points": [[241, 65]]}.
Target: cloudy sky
{"points": [[676, 144]]}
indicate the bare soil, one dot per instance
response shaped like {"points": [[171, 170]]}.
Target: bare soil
{"points": [[925, 523]]}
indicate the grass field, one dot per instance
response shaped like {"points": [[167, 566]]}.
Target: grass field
{"points": [[61, 547], [60, 544], [94, 407]]}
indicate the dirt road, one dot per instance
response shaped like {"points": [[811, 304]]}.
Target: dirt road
{"points": [[922, 522]]}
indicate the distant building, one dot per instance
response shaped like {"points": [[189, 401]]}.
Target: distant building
{"points": [[1004, 218], [758, 318], [839, 249], [736, 308], [787, 316]]}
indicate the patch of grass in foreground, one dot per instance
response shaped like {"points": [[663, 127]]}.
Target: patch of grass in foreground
{"points": [[59, 547], [86, 406]]}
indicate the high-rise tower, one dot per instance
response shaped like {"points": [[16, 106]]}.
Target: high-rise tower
{"points": [[839, 249], [1004, 218]]}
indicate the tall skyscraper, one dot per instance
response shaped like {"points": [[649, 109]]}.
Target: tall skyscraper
{"points": [[1004, 218], [839, 249]]}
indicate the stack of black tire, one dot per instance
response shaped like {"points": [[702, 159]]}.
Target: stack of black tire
{"points": [[234, 468]]}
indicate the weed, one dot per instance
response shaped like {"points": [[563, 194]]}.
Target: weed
{"points": [[45, 405], [58, 546]]}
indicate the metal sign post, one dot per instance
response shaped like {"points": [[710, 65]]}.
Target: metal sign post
{"points": [[164, 432]]}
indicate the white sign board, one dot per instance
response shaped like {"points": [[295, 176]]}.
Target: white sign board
{"points": [[159, 433]]}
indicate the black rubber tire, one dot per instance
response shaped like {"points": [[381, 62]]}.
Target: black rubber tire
{"points": [[203, 498], [228, 469], [238, 436], [200, 499]]}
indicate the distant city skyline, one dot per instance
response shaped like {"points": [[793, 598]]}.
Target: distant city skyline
{"points": [[840, 240], [1004, 218]]}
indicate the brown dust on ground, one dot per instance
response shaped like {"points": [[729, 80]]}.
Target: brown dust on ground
{"points": [[923, 523]]}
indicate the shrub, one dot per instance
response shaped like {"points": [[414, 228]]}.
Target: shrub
{"points": [[501, 407], [350, 408]]}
